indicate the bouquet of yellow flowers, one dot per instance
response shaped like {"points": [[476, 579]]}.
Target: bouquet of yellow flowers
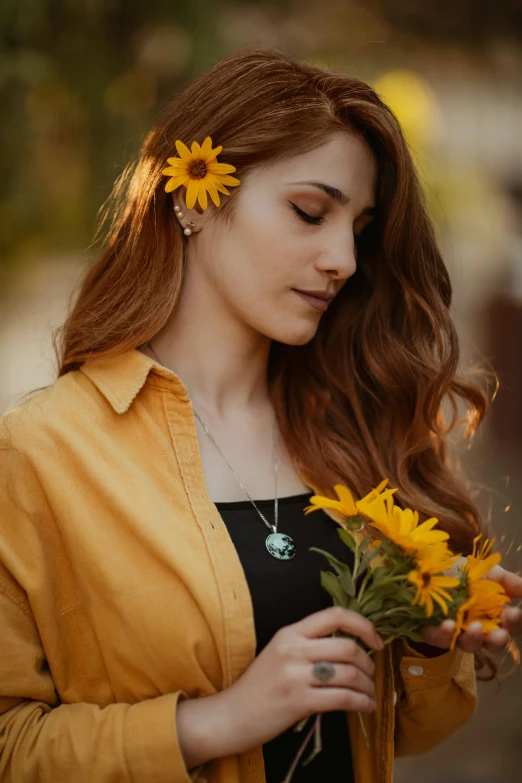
{"points": [[405, 579]]}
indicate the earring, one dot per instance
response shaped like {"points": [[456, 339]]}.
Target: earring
{"points": [[188, 230]]}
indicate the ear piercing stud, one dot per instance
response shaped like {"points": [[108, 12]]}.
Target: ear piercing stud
{"points": [[190, 225]]}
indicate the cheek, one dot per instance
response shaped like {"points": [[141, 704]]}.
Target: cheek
{"points": [[256, 263], [261, 256]]}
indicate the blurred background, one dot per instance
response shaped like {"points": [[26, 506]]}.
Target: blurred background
{"points": [[81, 81]]}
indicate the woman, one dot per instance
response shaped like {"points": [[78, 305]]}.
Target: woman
{"points": [[264, 346]]}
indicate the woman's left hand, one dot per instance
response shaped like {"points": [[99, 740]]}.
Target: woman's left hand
{"points": [[472, 639]]}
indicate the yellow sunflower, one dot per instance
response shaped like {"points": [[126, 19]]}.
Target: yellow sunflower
{"points": [[430, 582], [485, 604], [481, 561], [346, 505], [401, 525], [199, 171]]}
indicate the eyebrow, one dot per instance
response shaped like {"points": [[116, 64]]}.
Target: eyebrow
{"points": [[334, 193]]}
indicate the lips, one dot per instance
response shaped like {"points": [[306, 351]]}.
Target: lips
{"points": [[318, 299]]}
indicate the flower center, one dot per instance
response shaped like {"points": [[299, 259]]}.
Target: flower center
{"points": [[426, 579], [197, 169]]}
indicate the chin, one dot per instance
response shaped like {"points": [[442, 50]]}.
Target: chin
{"points": [[295, 336]]}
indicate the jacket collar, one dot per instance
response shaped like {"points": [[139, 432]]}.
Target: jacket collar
{"points": [[120, 378]]}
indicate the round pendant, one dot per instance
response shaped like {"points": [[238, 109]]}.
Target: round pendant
{"points": [[281, 546]]}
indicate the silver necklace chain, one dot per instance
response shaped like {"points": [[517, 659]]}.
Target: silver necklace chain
{"points": [[273, 527]]}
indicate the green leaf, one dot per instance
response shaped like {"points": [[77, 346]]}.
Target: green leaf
{"points": [[365, 542], [353, 604], [331, 583], [347, 583], [414, 636], [348, 538], [363, 566], [374, 605], [336, 564]]}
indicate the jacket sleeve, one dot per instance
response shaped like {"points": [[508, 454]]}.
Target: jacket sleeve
{"points": [[42, 739], [435, 696]]}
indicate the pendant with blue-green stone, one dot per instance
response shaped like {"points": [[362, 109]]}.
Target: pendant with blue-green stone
{"points": [[281, 546]]}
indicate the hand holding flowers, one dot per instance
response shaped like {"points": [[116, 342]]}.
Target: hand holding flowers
{"points": [[410, 585], [425, 569]]}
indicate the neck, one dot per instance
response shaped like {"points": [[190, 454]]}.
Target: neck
{"points": [[221, 361]]}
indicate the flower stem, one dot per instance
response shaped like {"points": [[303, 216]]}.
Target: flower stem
{"points": [[364, 582], [317, 742], [363, 728], [300, 752]]}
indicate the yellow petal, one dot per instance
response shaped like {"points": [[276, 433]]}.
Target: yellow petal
{"points": [[207, 153], [220, 168], [447, 581], [443, 605], [221, 188], [202, 195], [183, 151], [214, 195], [175, 182], [481, 568], [176, 162], [428, 524], [206, 147], [192, 193], [380, 486], [319, 501], [489, 625], [195, 149], [377, 513], [171, 171], [177, 168], [227, 180], [345, 496]]}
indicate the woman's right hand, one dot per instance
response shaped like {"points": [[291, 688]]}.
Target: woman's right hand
{"points": [[279, 689]]}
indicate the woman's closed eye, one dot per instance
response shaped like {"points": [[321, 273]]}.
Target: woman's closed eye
{"points": [[316, 221], [305, 217]]}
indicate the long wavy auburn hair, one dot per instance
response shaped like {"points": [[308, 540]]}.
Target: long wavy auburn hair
{"points": [[365, 398]]}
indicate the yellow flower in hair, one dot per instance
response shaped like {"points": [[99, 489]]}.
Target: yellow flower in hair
{"points": [[199, 171]]}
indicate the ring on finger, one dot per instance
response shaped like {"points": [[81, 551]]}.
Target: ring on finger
{"points": [[323, 670]]}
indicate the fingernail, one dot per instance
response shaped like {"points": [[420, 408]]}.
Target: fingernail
{"points": [[380, 642]]}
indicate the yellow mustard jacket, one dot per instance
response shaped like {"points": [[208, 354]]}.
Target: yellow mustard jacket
{"points": [[122, 592]]}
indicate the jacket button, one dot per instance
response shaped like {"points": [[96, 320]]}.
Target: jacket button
{"points": [[417, 671]]}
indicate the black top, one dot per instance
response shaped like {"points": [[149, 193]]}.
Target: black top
{"points": [[284, 592]]}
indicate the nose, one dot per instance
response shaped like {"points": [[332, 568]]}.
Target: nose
{"points": [[339, 258]]}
